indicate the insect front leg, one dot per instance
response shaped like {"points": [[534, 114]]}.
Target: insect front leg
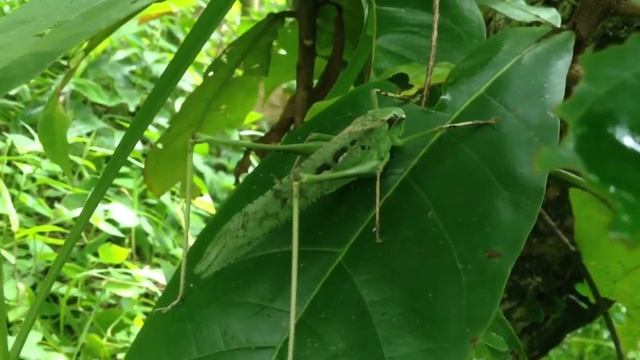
{"points": [[295, 250]]}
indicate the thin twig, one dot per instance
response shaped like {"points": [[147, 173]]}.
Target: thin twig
{"points": [[432, 52], [591, 284], [557, 230]]}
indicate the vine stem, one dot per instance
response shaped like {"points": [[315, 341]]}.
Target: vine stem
{"points": [[432, 52], [197, 37], [4, 332], [591, 284], [582, 184], [295, 247]]}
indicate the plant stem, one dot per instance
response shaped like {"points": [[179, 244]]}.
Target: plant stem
{"points": [[4, 332], [580, 183], [591, 284], [197, 37]]}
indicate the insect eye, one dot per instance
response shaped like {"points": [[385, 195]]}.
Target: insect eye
{"points": [[394, 120]]}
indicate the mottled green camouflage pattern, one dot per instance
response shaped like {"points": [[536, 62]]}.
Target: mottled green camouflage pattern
{"points": [[367, 140]]}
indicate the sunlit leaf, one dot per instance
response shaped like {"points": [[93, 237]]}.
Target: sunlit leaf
{"points": [[123, 215], [6, 207], [95, 347], [98, 219], [24, 144], [519, 10], [613, 264], [110, 253], [38, 229]]}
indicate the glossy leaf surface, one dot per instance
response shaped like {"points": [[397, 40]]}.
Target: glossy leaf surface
{"points": [[613, 264], [519, 10], [52, 27], [604, 119], [456, 210], [404, 27]]}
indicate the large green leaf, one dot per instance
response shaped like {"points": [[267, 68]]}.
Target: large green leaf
{"points": [[40, 31], [227, 94], [404, 26], [457, 209], [519, 10], [604, 121], [614, 265]]}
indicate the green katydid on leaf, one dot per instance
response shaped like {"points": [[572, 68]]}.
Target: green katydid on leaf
{"points": [[362, 149], [355, 296], [227, 94]]}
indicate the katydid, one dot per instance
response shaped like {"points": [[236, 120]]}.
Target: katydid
{"points": [[326, 164]]}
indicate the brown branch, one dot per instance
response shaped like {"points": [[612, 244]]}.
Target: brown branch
{"points": [[600, 302], [432, 51], [326, 81], [307, 13], [334, 65], [584, 22], [586, 19], [627, 8]]}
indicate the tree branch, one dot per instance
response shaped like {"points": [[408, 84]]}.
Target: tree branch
{"points": [[586, 18], [307, 13], [326, 81], [627, 8]]}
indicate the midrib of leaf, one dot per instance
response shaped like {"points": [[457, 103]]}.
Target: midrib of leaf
{"points": [[404, 175]]}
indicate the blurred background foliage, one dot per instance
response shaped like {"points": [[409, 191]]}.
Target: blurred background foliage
{"points": [[133, 245]]}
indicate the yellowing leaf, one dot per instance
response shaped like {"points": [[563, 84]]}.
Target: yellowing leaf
{"points": [[6, 206], [112, 254], [205, 203]]}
